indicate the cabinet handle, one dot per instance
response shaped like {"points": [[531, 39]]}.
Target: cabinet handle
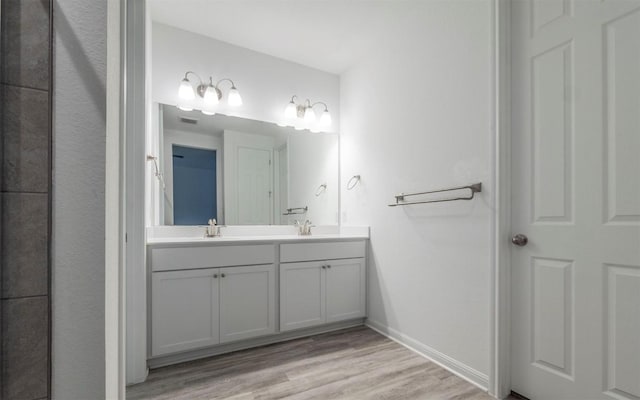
{"points": [[215, 276], [222, 275]]}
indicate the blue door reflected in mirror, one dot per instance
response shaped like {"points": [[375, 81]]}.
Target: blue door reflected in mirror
{"points": [[194, 182]]}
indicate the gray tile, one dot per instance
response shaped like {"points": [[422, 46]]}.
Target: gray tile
{"points": [[25, 134], [24, 251], [25, 328], [25, 43]]}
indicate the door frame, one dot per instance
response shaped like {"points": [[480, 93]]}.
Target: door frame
{"points": [[499, 374], [500, 321]]}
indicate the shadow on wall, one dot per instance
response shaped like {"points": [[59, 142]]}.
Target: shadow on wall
{"points": [[84, 67], [384, 317]]}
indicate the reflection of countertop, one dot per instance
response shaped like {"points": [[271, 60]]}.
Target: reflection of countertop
{"points": [[159, 236]]}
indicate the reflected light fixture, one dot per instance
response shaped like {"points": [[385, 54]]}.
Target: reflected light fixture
{"points": [[210, 94], [302, 116]]}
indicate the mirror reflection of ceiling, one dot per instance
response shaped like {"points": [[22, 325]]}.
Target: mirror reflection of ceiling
{"points": [[329, 35], [174, 119]]}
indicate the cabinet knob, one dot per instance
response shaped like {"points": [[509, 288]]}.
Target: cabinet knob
{"points": [[222, 275], [215, 276], [324, 266], [328, 266]]}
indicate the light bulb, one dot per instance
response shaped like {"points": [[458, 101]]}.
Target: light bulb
{"points": [[290, 112], [210, 100], [210, 96], [185, 92], [309, 116], [234, 98], [325, 118]]}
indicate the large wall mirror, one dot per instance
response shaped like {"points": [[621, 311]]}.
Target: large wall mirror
{"points": [[243, 172]]}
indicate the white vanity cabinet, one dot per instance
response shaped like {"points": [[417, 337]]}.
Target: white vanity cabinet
{"points": [[197, 308], [211, 297], [247, 302], [185, 309], [330, 288]]}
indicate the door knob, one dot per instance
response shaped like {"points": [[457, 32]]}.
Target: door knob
{"points": [[520, 239]]}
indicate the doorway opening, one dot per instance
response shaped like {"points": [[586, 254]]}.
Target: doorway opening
{"points": [[195, 185]]}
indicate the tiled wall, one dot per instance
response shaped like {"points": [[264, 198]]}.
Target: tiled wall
{"points": [[25, 186]]}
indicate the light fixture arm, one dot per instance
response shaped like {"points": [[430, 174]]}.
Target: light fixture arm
{"points": [[320, 102], [186, 76], [233, 86]]}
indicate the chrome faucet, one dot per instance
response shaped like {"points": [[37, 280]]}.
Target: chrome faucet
{"points": [[303, 229], [212, 229]]}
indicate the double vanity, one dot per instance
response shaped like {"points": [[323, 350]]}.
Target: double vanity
{"points": [[250, 286]]}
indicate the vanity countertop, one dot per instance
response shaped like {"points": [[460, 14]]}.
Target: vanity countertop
{"points": [[262, 236], [251, 239]]}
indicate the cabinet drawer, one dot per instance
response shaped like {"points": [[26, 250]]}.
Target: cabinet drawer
{"points": [[293, 252], [177, 258]]}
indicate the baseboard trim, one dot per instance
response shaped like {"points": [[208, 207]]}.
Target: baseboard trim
{"points": [[462, 370], [162, 361]]}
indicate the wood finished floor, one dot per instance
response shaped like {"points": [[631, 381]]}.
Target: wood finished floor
{"points": [[356, 363]]}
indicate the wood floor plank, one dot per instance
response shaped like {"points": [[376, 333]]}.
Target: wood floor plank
{"points": [[355, 363]]}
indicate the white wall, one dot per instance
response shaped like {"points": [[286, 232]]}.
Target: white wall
{"points": [[266, 83], [426, 124], [78, 281]]}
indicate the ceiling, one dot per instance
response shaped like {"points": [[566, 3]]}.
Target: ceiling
{"points": [[329, 35], [217, 124]]}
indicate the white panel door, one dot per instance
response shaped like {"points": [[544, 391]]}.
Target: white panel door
{"points": [[247, 302], [345, 289], [576, 196], [302, 295], [184, 310], [248, 179], [254, 186]]}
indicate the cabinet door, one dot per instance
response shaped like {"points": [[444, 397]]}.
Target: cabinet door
{"points": [[302, 295], [247, 302], [184, 310], [345, 289]]}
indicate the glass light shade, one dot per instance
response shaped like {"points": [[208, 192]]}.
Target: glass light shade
{"points": [[184, 105], [325, 118], [290, 112], [234, 98], [185, 92], [210, 97], [309, 116]]}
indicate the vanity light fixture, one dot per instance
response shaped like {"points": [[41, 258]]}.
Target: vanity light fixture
{"points": [[302, 116], [210, 94]]}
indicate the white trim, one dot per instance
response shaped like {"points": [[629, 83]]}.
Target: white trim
{"points": [[114, 274], [500, 382], [452, 365], [135, 125], [224, 348]]}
